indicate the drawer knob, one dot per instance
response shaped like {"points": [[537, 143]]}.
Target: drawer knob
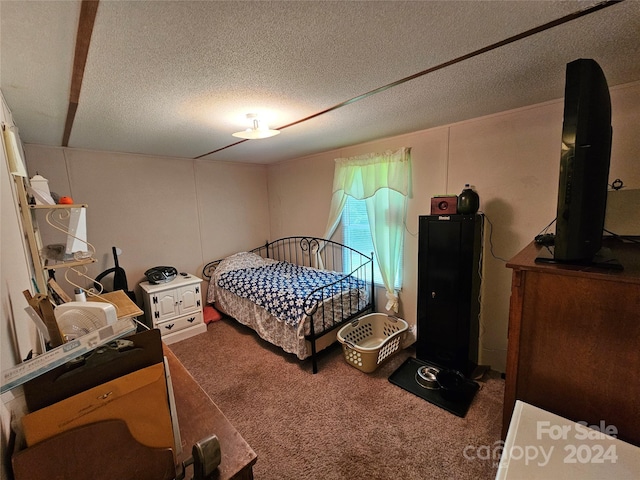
{"points": [[170, 326]]}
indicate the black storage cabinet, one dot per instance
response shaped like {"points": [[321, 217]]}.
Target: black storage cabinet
{"points": [[449, 274]]}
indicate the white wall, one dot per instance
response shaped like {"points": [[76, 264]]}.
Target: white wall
{"points": [[159, 211], [17, 332], [512, 158], [233, 207]]}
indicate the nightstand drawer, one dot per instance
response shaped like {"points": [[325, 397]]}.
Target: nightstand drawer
{"points": [[180, 323]]}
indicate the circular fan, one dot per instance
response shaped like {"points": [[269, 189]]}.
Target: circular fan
{"points": [[75, 322]]}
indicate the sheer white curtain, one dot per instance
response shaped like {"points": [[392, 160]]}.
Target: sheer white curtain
{"points": [[383, 180]]}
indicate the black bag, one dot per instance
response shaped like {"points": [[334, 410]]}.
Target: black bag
{"points": [[119, 278]]}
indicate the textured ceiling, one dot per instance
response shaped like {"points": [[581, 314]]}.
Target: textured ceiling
{"points": [[176, 78]]}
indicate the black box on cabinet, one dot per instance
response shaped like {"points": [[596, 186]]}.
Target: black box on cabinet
{"points": [[449, 274]]}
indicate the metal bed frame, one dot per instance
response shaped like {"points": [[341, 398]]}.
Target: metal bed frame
{"points": [[325, 255]]}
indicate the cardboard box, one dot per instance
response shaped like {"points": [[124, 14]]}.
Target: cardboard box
{"points": [[139, 398]]}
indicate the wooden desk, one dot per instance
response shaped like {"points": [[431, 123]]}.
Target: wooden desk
{"points": [[199, 417], [574, 340], [64, 455]]}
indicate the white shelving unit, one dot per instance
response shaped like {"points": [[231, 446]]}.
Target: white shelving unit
{"points": [[175, 307], [42, 265]]}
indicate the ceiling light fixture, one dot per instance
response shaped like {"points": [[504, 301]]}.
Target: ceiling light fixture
{"points": [[258, 131]]}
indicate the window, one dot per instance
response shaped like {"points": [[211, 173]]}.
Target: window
{"points": [[357, 235], [382, 181]]}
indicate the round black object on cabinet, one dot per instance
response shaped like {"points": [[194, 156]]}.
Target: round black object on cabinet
{"points": [[468, 201]]}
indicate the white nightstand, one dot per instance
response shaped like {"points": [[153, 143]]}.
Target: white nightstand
{"points": [[175, 307]]}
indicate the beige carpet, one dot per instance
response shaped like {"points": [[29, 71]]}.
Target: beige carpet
{"points": [[340, 423]]}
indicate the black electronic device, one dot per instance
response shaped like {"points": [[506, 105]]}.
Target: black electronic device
{"points": [[161, 274], [546, 239], [584, 168]]}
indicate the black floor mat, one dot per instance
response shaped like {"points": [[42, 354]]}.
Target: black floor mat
{"points": [[405, 377]]}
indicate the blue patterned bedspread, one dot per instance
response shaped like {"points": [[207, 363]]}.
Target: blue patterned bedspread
{"points": [[281, 288]]}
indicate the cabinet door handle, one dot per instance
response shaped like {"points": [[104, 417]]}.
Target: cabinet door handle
{"points": [[433, 294]]}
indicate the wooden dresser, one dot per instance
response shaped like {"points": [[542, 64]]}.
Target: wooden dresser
{"points": [[574, 340]]}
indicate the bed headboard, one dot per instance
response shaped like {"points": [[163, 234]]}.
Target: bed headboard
{"points": [[311, 252]]}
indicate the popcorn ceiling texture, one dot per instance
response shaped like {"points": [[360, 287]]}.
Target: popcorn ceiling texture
{"points": [[177, 78]]}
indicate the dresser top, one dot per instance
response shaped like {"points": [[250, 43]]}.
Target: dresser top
{"points": [[179, 281], [627, 254]]}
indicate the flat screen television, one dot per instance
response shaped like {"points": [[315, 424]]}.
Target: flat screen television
{"points": [[584, 168]]}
